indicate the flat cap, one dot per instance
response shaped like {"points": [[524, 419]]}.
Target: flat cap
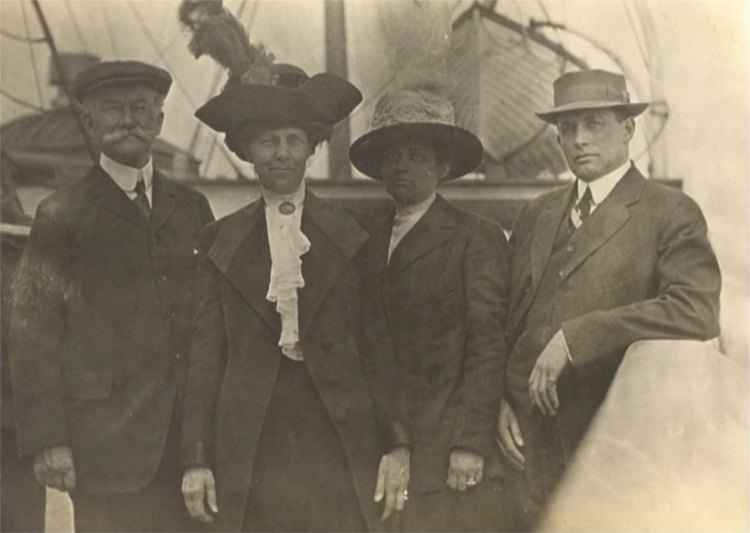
{"points": [[113, 73]]}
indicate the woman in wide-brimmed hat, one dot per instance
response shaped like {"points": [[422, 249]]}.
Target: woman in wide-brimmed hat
{"points": [[440, 273], [278, 413]]}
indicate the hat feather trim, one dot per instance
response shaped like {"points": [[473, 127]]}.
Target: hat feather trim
{"points": [[218, 34]]}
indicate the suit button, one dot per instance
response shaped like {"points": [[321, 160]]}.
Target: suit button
{"points": [[561, 274], [178, 356], [570, 248], [164, 277], [195, 251]]}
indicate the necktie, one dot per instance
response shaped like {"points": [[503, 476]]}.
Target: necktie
{"points": [[584, 204], [141, 200], [582, 209]]}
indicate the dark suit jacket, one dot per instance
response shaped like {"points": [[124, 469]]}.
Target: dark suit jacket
{"points": [[641, 267], [11, 248], [445, 298], [101, 309], [235, 358]]}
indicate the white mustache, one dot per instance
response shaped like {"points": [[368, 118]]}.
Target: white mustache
{"points": [[118, 135]]}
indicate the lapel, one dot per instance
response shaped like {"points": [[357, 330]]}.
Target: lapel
{"points": [[110, 197], [335, 238], [545, 230], [377, 257], [434, 228], [163, 201], [241, 253], [606, 220]]}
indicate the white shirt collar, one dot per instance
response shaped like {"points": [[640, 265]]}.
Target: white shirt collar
{"points": [[601, 187], [126, 177]]}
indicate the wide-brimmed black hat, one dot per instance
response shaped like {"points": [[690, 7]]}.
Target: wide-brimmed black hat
{"points": [[117, 73], [591, 89], [292, 98], [421, 114]]}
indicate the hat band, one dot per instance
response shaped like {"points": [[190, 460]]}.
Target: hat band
{"points": [[591, 93]]}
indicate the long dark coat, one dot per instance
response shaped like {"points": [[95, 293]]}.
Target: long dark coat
{"points": [[101, 307], [445, 298], [640, 267], [235, 358]]}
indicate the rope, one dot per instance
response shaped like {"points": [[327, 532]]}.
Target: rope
{"points": [[75, 25], [32, 55], [20, 102], [641, 46], [110, 32], [15, 37]]}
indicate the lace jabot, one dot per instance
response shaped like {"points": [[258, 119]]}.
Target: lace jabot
{"points": [[287, 244]]}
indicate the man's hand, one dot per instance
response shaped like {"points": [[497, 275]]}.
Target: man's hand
{"points": [[393, 481], [543, 379], [199, 489], [54, 467], [465, 470], [509, 435]]}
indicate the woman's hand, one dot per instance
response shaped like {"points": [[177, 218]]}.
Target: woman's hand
{"points": [[199, 489], [393, 481]]}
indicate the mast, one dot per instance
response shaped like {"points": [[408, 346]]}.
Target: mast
{"points": [[659, 110], [64, 81], [336, 63]]}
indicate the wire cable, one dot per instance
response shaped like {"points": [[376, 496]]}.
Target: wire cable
{"points": [[21, 102], [76, 25], [110, 32], [32, 55], [634, 30], [15, 37]]}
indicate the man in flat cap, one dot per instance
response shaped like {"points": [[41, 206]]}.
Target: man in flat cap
{"points": [[605, 261], [101, 313]]}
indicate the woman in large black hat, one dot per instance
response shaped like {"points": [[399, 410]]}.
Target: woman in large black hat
{"points": [[279, 427], [441, 275]]}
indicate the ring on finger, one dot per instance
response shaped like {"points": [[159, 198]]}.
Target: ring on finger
{"points": [[471, 482], [405, 494]]}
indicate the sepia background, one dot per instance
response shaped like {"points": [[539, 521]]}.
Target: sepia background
{"points": [[690, 56]]}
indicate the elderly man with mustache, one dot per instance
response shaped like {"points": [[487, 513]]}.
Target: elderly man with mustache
{"points": [[101, 313]]}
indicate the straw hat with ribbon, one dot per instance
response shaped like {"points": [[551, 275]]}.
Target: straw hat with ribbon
{"points": [[416, 110], [591, 89]]}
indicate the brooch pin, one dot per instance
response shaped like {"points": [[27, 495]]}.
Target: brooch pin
{"points": [[286, 208]]}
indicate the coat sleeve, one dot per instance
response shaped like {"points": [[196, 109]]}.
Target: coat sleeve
{"points": [[206, 359], [37, 326], [486, 301], [686, 304]]}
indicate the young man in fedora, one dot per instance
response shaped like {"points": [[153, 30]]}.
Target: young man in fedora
{"points": [[440, 275], [608, 260], [101, 313]]}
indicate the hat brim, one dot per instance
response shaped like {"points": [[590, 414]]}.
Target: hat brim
{"points": [[324, 99], [633, 109], [466, 151]]}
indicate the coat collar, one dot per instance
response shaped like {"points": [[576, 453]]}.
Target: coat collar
{"points": [[242, 254], [598, 228], [607, 220], [434, 228], [109, 196]]}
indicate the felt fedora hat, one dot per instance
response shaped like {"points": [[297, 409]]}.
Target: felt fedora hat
{"points": [[289, 98], [417, 114], [591, 89], [117, 73]]}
